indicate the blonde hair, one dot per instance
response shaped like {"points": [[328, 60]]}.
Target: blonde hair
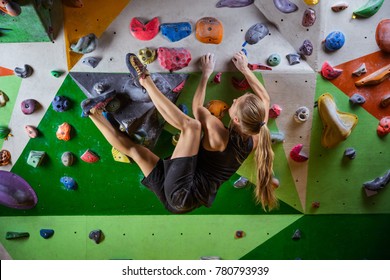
{"points": [[251, 114]]}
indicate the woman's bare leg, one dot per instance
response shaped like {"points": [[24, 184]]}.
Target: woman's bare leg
{"points": [[145, 159]]}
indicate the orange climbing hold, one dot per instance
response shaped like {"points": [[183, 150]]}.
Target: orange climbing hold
{"points": [[337, 125], [209, 30], [375, 78], [63, 132], [217, 108]]}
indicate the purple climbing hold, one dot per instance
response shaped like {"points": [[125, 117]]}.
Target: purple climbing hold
{"points": [[28, 106], [255, 33], [306, 49], [46, 233], [378, 183], [234, 3], [285, 6], [350, 153], [309, 17], [357, 99], [97, 236], [15, 192], [24, 72], [60, 103]]}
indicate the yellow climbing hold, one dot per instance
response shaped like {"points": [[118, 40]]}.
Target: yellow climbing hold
{"points": [[311, 2], [337, 125], [118, 156]]}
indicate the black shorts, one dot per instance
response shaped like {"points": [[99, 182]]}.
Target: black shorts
{"points": [[172, 180]]}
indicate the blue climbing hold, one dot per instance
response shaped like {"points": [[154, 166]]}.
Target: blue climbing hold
{"points": [[176, 31], [69, 183], [334, 41], [60, 104], [46, 233], [357, 99], [255, 33], [244, 51]]}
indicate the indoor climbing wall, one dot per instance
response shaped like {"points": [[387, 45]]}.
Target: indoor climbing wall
{"points": [[312, 57]]}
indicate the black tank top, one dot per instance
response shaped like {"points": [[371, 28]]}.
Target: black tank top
{"points": [[214, 168]]}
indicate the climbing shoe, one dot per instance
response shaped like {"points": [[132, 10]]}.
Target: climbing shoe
{"points": [[98, 102], [137, 68]]}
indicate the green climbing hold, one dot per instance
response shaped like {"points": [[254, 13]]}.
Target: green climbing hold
{"points": [[273, 59], [16, 235], [4, 132], [35, 158], [56, 73]]}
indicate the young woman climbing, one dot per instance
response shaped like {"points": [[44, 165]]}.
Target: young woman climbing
{"points": [[199, 165]]}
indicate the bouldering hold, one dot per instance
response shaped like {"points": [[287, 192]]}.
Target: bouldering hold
{"points": [[85, 44], [293, 58], [89, 156], [16, 235], [309, 17], [31, 131], [74, 3], [234, 3], [255, 33], [350, 153], [217, 108], [378, 183], [383, 127], [217, 78], [11, 8], [176, 31], [35, 158], [144, 31], [101, 87], [297, 235], [240, 84], [15, 192], [183, 108], [334, 41], [67, 159], [328, 72], [24, 72], [360, 70], [5, 132], [64, 132], [239, 234], [5, 157], [175, 139], [311, 2], [209, 30], [147, 55], [375, 78], [302, 114], [275, 111], [91, 61], [119, 157], [296, 154], [28, 106], [60, 103], [98, 102], [285, 6], [179, 87], [339, 7], [46, 233], [96, 235], [244, 51], [337, 125], [3, 98], [56, 73], [258, 66], [69, 183], [277, 137], [357, 99], [306, 49], [210, 258], [370, 8], [315, 204], [385, 101], [382, 35], [139, 136], [113, 105], [274, 59], [241, 182], [173, 59]]}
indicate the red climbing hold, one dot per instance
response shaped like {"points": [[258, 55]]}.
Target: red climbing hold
{"points": [[384, 126], [179, 87], [89, 156], [330, 73], [297, 155], [173, 58], [144, 32], [240, 85], [217, 78]]}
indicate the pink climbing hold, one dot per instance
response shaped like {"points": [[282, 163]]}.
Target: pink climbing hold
{"points": [[275, 111], [384, 126], [173, 59], [297, 155], [330, 73], [179, 87], [217, 78], [144, 31], [258, 66]]}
